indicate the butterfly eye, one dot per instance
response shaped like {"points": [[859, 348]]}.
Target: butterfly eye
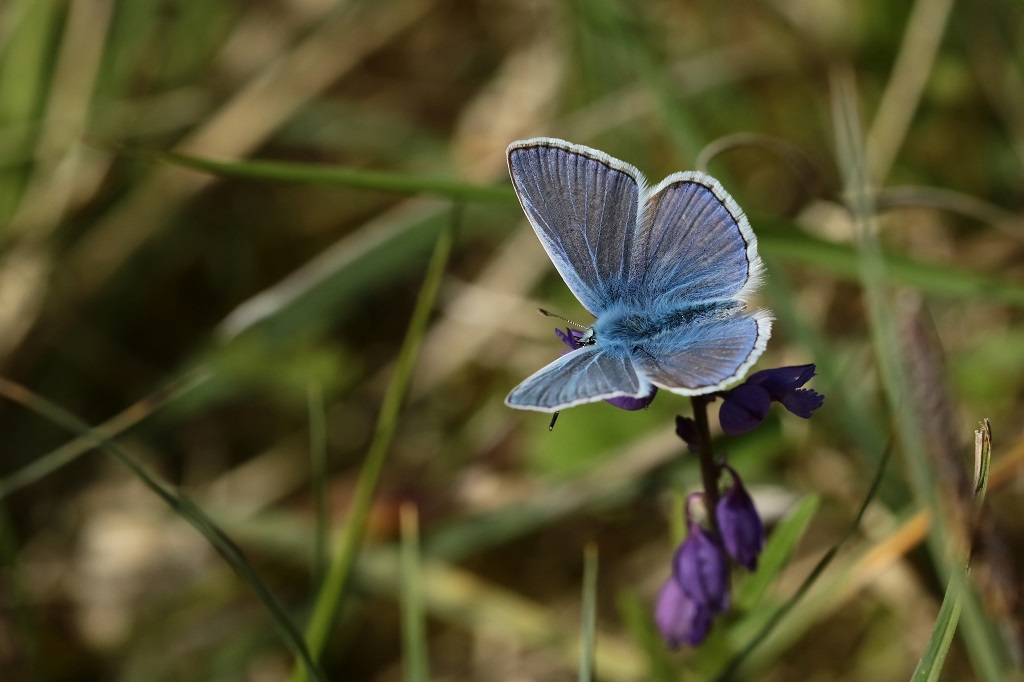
{"points": [[588, 338]]}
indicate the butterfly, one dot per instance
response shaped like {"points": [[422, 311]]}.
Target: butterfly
{"points": [[665, 271]]}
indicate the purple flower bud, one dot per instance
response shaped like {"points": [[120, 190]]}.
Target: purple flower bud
{"points": [[686, 428], [702, 569], [746, 406], [740, 524], [571, 337], [679, 617]]}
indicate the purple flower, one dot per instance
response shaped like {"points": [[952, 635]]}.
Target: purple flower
{"points": [[740, 524], [679, 617], [746, 406], [571, 337], [701, 569]]}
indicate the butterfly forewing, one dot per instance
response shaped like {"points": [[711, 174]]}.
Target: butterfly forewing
{"points": [[694, 244], [583, 205]]}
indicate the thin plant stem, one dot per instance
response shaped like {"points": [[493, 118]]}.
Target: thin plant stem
{"points": [[706, 453], [318, 475], [414, 629]]}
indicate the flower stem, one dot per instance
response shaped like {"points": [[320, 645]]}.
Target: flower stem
{"points": [[708, 467]]}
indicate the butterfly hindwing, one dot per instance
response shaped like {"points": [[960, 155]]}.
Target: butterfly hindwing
{"points": [[582, 376], [694, 243], [706, 356]]}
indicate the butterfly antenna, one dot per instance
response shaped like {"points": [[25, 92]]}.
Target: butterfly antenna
{"points": [[554, 417], [547, 313]]}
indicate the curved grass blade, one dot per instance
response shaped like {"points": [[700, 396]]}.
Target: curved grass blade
{"points": [[777, 551], [805, 170], [730, 670], [318, 478], [986, 652], [329, 598], [182, 506], [322, 174], [127, 418], [929, 668], [786, 244]]}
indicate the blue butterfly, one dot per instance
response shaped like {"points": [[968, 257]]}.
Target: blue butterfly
{"points": [[666, 272]]}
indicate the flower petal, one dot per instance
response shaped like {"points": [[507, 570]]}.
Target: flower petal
{"points": [[803, 401], [679, 618], [570, 337], [782, 380], [744, 408], [627, 403]]}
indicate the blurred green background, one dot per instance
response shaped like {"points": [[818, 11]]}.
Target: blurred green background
{"points": [[237, 330]]}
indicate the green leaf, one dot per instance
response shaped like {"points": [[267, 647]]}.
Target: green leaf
{"points": [[779, 547], [358, 178]]}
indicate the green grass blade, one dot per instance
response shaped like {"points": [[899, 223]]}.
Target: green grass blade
{"points": [[318, 479], [730, 670], [331, 284], [182, 506], [69, 452], [616, 26], [24, 76], [785, 244], [330, 596], [778, 549], [589, 621], [414, 630], [356, 178], [985, 650], [929, 668]]}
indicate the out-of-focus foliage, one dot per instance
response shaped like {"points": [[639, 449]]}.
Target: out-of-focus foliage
{"points": [[194, 312]]}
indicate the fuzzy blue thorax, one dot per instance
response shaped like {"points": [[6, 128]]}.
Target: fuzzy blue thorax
{"points": [[625, 326]]}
